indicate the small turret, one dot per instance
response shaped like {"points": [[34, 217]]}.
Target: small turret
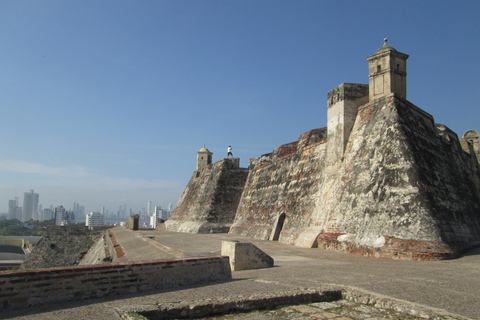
{"points": [[387, 71], [204, 157]]}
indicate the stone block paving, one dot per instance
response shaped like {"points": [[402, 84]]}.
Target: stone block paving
{"points": [[338, 310]]}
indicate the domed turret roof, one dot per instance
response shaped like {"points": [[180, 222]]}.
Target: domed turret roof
{"points": [[385, 47], [203, 149]]}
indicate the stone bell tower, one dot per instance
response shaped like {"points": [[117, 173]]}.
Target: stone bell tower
{"points": [[204, 157], [387, 72]]}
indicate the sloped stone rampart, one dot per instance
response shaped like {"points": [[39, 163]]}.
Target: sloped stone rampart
{"points": [[62, 246], [405, 188], [402, 190], [280, 185], [210, 199], [98, 253]]}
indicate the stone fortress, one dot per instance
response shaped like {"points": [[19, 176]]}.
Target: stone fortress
{"points": [[382, 179]]}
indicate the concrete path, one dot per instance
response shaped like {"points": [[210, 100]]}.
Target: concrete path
{"points": [[452, 285]]}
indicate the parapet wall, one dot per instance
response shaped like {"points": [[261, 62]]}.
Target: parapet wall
{"points": [[210, 199], [28, 288]]}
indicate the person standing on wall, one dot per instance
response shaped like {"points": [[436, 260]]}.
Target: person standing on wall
{"points": [[229, 150]]}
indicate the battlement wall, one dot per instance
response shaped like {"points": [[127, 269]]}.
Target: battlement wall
{"points": [[209, 201], [27, 288]]}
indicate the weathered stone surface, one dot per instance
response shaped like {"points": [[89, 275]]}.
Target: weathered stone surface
{"points": [[97, 254], [245, 255], [210, 199], [282, 184], [401, 190], [400, 180], [61, 246]]}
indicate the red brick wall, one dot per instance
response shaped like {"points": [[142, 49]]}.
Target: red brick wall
{"points": [[19, 289]]}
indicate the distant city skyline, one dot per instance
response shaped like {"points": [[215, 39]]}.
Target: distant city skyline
{"points": [[35, 206]]}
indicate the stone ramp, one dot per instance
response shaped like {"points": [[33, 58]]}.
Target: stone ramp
{"points": [[131, 246]]}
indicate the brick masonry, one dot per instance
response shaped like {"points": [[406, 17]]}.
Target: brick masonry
{"points": [[25, 288]]}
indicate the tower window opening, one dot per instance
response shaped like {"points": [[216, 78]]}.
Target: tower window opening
{"points": [[398, 68], [379, 68]]}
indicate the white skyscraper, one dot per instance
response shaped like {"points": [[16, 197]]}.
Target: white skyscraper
{"points": [[46, 214], [30, 205], [12, 209], [156, 216], [149, 208], [60, 216], [94, 219]]}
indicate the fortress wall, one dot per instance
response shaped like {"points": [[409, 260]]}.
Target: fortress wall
{"points": [[282, 184], [28, 288], [209, 201], [402, 189]]}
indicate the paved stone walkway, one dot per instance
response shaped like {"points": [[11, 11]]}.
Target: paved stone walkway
{"points": [[338, 310], [452, 288]]}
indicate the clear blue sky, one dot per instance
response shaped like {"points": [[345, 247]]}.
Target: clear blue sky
{"points": [[107, 102]]}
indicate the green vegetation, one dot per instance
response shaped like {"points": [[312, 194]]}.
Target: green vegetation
{"points": [[14, 227]]}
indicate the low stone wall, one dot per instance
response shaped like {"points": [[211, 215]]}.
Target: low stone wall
{"points": [[26, 288]]}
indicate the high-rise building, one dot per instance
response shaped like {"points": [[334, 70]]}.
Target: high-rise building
{"points": [[46, 214], [94, 219], [60, 216], [78, 210], [30, 205], [12, 208], [19, 213], [156, 216], [169, 211], [149, 208]]}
